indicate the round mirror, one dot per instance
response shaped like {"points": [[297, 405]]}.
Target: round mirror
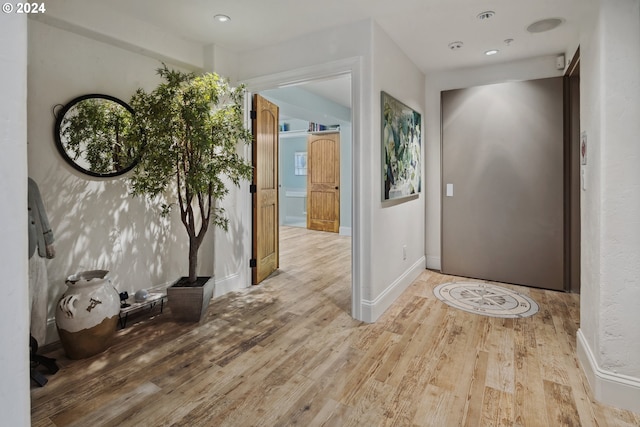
{"points": [[94, 133]]}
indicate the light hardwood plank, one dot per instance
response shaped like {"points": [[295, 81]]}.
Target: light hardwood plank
{"points": [[473, 405], [561, 408], [287, 353]]}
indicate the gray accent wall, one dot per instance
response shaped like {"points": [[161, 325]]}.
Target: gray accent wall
{"points": [[502, 182]]}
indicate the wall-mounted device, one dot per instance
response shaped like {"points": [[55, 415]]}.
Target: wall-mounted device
{"points": [[449, 190]]}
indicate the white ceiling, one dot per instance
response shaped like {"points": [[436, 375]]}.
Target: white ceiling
{"points": [[337, 89], [422, 28]]}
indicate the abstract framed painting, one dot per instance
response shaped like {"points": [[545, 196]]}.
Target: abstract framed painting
{"points": [[401, 149]]}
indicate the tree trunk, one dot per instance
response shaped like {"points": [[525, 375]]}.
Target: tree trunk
{"points": [[193, 259]]}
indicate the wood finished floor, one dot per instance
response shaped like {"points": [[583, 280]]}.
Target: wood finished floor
{"points": [[288, 353]]}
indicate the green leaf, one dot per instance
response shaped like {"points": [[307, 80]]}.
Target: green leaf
{"points": [[191, 126]]}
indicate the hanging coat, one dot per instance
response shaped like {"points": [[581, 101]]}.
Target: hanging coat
{"points": [[40, 234]]}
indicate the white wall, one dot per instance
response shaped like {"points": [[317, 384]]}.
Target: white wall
{"points": [[97, 20], [529, 69], [609, 337], [393, 225], [347, 41], [14, 312], [95, 222]]}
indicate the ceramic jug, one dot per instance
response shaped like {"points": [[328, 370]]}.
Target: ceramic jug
{"points": [[87, 314]]}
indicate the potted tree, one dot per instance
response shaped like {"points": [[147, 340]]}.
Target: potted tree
{"points": [[191, 126]]}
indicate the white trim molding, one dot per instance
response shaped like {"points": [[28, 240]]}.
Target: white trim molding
{"points": [[434, 263], [372, 310], [231, 283], [345, 231], [608, 387]]}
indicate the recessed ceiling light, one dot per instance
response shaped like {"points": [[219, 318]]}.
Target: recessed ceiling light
{"points": [[221, 18], [508, 42], [486, 15], [491, 52], [455, 45], [545, 25]]}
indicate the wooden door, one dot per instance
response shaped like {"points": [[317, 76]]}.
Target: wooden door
{"points": [[265, 259], [323, 182]]}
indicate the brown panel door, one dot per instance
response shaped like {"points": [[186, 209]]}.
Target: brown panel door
{"points": [[323, 182], [265, 190]]}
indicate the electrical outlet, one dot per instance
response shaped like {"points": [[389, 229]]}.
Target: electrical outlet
{"points": [[404, 252]]}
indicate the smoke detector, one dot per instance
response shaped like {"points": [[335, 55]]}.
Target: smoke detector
{"points": [[455, 45], [488, 14]]}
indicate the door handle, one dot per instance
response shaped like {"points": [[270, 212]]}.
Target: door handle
{"points": [[336, 187]]}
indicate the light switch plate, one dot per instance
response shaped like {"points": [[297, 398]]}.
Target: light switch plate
{"points": [[449, 190]]}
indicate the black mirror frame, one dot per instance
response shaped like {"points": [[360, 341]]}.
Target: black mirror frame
{"points": [[56, 134]]}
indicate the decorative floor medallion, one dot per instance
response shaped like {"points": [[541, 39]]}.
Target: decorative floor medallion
{"points": [[486, 299]]}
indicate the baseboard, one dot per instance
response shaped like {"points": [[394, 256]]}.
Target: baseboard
{"points": [[291, 219], [291, 222], [52, 329], [345, 231], [608, 387], [372, 310], [228, 284], [433, 263]]}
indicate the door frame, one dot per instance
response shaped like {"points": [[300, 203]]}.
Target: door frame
{"points": [[352, 67], [572, 186]]}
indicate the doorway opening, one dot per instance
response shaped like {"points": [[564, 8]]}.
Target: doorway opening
{"points": [[316, 101], [315, 152]]}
